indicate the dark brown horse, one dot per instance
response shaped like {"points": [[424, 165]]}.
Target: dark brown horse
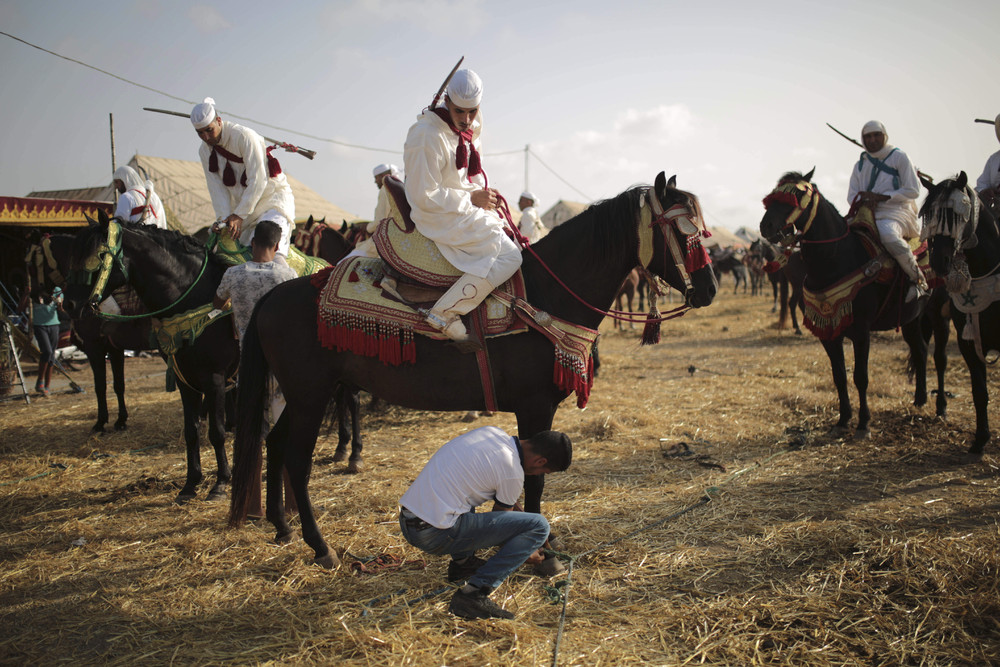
{"points": [[591, 255], [833, 253], [965, 249]]}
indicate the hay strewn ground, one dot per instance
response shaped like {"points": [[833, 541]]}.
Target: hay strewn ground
{"points": [[810, 551]]}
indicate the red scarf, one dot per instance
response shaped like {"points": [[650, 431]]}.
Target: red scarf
{"points": [[228, 177], [466, 154]]}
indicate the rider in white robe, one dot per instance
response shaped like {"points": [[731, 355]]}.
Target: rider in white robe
{"points": [[257, 190], [451, 204], [531, 226], [885, 179], [988, 185], [137, 202]]}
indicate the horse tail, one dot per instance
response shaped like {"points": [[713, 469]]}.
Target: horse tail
{"points": [[250, 398], [783, 298]]}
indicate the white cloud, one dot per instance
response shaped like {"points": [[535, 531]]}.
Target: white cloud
{"points": [[208, 19]]}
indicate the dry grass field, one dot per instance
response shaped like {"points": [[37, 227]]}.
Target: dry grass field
{"points": [[708, 517]]}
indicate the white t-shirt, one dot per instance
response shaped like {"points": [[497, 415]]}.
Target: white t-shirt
{"points": [[246, 283], [990, 178], [476, 467]]}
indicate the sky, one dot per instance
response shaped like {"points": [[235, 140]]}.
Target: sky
{"points": [[581, 99]]}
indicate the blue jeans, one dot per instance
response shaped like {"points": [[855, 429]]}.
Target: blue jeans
{"points": [[518, 534]]}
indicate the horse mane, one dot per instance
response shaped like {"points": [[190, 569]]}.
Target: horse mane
{"points": [[174, 242], [935, 194], [608, 224]]}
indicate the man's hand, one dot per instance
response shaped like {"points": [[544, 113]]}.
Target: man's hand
{"points": [[485, 199], [535, 558], [235, 224]]}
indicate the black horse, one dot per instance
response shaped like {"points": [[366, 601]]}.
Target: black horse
{"points": [[965, 249], [728, 260], [786, 279], [172, 274], [99, 339], [834, 254], [590, 254]]}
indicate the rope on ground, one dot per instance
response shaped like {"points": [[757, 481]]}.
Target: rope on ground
{"points": [[59, 468], [561, 588]]}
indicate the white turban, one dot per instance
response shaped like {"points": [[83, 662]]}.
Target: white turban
{"points": [[874, 126], [465, 90], [130, 178], [996, 124], [203, 114], [381, 169], [528, 195]]}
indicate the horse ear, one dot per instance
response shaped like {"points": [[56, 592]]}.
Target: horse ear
{"points": [[90, 221], [660, 183], [672, 183], [808, 177], [926, 182], [103, 218], [962, 181]]}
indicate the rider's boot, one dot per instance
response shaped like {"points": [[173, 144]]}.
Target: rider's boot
{"points": [[908, 263], [460, 299]]}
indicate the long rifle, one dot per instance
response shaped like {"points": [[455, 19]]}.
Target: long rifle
{"points": [[305, 152], [851, 139]]}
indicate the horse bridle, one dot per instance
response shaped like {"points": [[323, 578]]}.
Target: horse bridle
{"points": [[679, 218], [954, 218], [803, 197], [102, 262], [110, 254]]}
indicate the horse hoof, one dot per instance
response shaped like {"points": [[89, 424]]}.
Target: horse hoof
{"points": [[353, 467], [97, 430], [339, 456], [121, 427], [972, 457], [862, 434], [184, 497], [838, 432], [218, 492], [549, 567], [282, 538], [327, 562]]}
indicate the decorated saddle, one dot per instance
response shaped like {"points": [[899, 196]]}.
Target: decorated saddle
{"points": [[828, 312], [370, 306]]}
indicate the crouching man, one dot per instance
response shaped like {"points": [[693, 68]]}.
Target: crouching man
{"points": [[437, 513]]}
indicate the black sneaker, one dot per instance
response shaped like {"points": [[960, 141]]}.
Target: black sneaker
{"points": [[476, 605], [462, 571]]}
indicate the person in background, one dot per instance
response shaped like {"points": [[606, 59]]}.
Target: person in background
{"points": [[45, 321], [437, 513], [137, 202], [531, 226], [988, 185]]}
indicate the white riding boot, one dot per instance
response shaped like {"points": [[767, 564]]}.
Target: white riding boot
{"points": [[460, 299], [908, 263]]}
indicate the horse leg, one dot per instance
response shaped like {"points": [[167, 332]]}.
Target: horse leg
{"points": [[191, 402], [528, 424], [117, 359], [340, 409], [835, 351], [980, 399], [862, 348], [941, 324], [303, 429], [216, 398], [276, 441], [353, 399], [914, 337], [100, 371]]}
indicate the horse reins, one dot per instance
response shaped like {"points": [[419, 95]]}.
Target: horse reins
{"points": [[785, 193], [676, 215]]}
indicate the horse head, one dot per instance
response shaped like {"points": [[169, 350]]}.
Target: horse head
{"points": [[950, 214], [97, 265], [790, 209], [685, 264]]}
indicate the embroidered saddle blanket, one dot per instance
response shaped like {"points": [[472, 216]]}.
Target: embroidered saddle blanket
{"points": [[357, 313], [828, 312]]}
